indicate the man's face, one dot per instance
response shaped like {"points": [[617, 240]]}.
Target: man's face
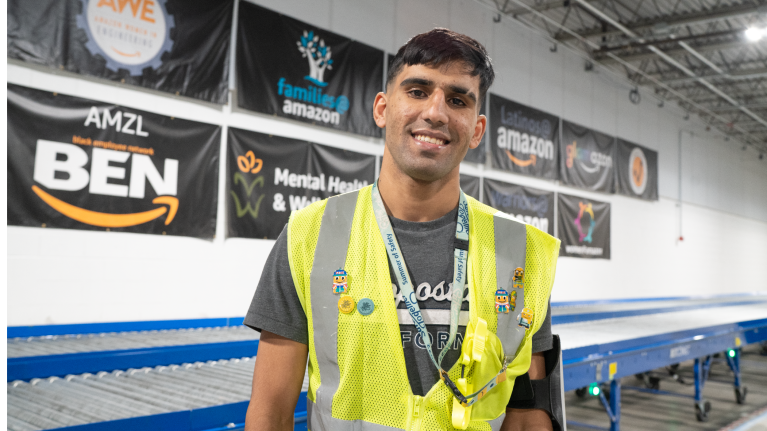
{"points": [[431, 117]]}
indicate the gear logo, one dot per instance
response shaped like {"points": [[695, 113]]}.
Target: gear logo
{"points": [[129, 34], [638, 169]]}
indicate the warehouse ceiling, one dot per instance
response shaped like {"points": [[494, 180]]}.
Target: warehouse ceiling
{"points": [[692, 52]]}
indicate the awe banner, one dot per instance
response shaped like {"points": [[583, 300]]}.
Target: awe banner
{"points": [[586, 158], [584, 227], [80, 164], [175, 46], [295, 70], [522, 139], [528, 205], [268, 177], [470, 186], [637, 171]]}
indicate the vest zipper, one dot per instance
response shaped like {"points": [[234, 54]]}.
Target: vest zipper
{"points": [[415, 413]]}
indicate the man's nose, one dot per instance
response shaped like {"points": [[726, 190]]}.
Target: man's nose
{"points": [[436, 111]]}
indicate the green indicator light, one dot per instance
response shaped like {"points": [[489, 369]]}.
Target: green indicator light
{"points": [[594, 389], [731, 353]]}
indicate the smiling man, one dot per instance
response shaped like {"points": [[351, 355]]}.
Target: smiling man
{"points": [[441, 353]]}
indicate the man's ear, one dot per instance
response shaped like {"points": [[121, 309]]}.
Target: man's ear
{"points": [[479, 131], [379, 110]]}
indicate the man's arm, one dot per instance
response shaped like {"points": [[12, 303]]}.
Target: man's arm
{"points": [[277, 380], [529, 419]]}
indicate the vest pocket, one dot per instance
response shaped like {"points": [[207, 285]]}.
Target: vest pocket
{"points": [[492, 404]]}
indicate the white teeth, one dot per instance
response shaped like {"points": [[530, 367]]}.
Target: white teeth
{"points": [[430, 139]]}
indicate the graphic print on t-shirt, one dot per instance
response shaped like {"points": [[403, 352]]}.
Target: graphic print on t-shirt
{"points": [[435, 308]]}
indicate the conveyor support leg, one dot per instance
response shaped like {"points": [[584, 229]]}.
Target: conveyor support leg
{"points": [[734, 363], [613, 407], [701, 368]]}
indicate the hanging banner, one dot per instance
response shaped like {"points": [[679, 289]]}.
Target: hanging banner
{"points": [[175, 46], [80, 164], [586, 158], [522, 139], [532, 206], [295, 70], [637, 171], [584, 227], [470, 186], [268, 177]]}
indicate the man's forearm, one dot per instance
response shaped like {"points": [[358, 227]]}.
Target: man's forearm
{"points": [[277, 379], [530, 419]]}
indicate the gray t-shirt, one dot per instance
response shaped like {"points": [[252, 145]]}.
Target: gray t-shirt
{"points": [[428, 251]]}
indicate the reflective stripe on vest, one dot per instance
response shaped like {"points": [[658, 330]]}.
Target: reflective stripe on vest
{"points": [[510, 251], [330, 254]]}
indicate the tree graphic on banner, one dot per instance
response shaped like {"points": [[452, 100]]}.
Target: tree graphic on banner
{"points": [[318, 55]]}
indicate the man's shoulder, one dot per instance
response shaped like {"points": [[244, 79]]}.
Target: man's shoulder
{"points": [[310, 217]]}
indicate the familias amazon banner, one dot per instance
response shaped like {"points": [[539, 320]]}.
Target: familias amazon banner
{"points": [[175, 46], [80, 164], [295, 70], [586, 158], [637, 171], [532, 206], [584, 227], [522, 139], [268, 177]]}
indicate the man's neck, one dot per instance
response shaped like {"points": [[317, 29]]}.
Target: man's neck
{"points": [[409, 199]]}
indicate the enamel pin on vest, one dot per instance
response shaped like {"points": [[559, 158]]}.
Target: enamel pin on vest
{"points": [[340, 285]]}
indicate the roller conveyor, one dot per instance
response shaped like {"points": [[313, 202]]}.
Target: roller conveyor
{"points": [[605, 331], [80, 343], [91, 398]]}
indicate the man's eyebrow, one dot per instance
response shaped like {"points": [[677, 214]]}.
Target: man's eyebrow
{"points": [[416, 81], [462, 90], [428, 83]]}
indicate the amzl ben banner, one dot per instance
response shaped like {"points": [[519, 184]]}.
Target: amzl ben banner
{"points": [[584, 227], [176, 46], [268, 177], [528, 205], [637, 171], [79, 164], [295, 70], [522, 139], [587, 158]]}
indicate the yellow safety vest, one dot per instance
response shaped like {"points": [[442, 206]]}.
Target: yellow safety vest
{"points": [[357, 374]]}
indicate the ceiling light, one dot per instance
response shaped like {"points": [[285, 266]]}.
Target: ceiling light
{"points": [[753, 34]]}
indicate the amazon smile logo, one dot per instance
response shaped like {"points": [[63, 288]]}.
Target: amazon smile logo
{"points": [[524, 149], [60, 166], [596, 159]]}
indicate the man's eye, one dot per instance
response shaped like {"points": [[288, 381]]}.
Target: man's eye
{"points": [[458, 102], [418, 93]]}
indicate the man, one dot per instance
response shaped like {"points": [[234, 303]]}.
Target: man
{"points": [[372, 360]]}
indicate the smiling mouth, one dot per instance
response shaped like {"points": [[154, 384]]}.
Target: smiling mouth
{"points": [[430, 140]]}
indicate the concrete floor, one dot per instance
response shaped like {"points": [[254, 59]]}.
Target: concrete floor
{"points": [[644, 411]]}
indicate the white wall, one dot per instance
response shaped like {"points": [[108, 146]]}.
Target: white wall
{"points": [[68, 276]]}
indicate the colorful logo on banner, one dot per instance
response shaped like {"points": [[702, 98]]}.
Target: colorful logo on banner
{"points": [[589, 210], [639, 170], [248, 164], [105, 163], [586, 157], [129, 34], [318, 106]]}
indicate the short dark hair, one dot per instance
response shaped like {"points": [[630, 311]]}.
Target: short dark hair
{"points": [[441, 46]]}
